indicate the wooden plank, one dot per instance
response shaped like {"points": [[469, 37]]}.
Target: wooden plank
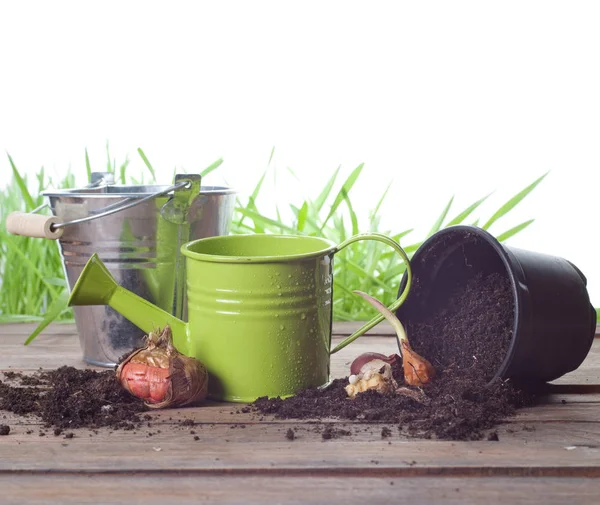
{"points": [[524, 449], [234, 431], [186, 489]]}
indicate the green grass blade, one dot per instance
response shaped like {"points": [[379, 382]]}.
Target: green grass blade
{"points": [[256, 191], [293, 173], [88, 166], [41, 183], [468, 211], [338, 285], [29, 203], [123, 171], [302, 215], [342, 194], [326, 191], [257, 217], [400, 235], [56, 281], [243, 229], [212, 167], [55, 309], [147, 163], [271, 156], [393, 272], [393, 254], [440, 220], [361, 272], [339, 227], [378, 206], [251, 205], [514, 201], [353, 218], [598, 315], [514, 230], [309, 221], [409, 249], [27, 262]]}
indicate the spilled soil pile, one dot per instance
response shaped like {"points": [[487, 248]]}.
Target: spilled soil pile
{"points": [[70, 398], [466, 341]]}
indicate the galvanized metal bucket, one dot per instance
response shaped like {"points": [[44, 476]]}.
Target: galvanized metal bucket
{"points": [[137, 231]]}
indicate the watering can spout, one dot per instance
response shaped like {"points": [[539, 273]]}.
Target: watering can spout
{"points": [[97, 286]]}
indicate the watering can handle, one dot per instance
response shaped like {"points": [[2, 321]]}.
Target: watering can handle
{"points": [[31, 224], [394, 306]]}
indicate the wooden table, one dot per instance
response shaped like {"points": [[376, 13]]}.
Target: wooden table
{"points": [[548, 454]]}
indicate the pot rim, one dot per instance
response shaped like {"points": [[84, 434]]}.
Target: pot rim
{"points": [[328, 247]]}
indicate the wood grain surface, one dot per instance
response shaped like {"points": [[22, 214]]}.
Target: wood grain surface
{"points": [[549, 453]]}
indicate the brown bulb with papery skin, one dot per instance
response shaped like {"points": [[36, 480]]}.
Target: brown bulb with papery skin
{"points": [[366, 357], [161, 376]]}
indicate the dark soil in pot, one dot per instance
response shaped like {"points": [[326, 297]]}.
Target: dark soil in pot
{"points": [[466, 339], [472, 333]]}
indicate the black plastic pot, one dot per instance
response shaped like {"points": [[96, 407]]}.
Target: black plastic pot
{"points": [[554, 322]]}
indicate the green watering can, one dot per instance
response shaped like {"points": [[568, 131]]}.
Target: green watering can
{"points": [[259, 310]]}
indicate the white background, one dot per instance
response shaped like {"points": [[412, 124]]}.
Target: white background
{"points": [[444, 98]]}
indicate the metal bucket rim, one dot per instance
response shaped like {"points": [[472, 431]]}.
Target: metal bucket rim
{"points": [[148, 190]]}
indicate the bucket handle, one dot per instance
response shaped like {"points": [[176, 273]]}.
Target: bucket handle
{"points": [[31, 224]]}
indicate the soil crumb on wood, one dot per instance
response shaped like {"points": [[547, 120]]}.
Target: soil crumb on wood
{"points": [[70, 398], [331, 431], [466, 341]]}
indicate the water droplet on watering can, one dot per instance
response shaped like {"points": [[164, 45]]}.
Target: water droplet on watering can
{"points": [[278, 286], [303, 316], [280, 293], [281, 327]]}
